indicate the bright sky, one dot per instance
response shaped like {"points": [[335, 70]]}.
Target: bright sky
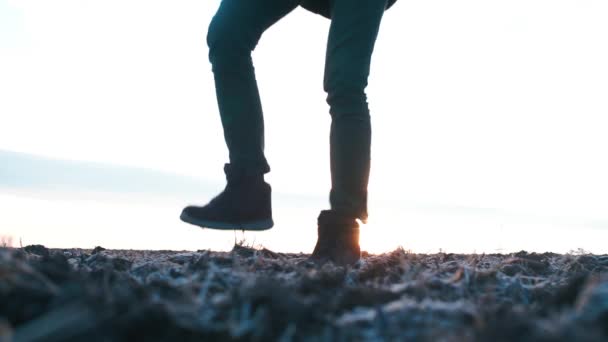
{"points": [[478, 103]]}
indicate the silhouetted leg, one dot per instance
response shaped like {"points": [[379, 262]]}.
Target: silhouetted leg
{"points": [[352, 36], [233, 34]]}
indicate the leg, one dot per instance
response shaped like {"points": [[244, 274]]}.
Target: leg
{"points": [[233, 34], [353, 32], [352, 35]]}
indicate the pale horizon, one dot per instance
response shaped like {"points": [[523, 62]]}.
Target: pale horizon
{"points": [[81, 204]]}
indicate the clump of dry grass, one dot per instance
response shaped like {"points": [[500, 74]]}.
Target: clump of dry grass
{"points": [[6, 241]]}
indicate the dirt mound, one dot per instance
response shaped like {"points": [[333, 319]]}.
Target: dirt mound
{"points": [[251, 294]]}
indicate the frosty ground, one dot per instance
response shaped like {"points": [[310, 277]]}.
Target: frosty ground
{"points": [[256, 294]]}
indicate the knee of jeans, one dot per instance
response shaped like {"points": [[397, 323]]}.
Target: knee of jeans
{"points": [[227, 44], [348, 104]]}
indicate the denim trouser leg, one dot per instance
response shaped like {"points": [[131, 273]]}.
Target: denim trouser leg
{"points": [[233, 34], [353, 32]]}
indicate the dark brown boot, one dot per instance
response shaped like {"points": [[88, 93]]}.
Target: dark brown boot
{"points": [[244, 204], [338, 239]]}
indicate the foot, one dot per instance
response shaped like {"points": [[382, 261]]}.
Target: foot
{"points": [[245, 204], [338, 239]]}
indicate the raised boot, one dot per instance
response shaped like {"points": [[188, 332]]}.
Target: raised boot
{"points": [[245, 204], [338, 239]]}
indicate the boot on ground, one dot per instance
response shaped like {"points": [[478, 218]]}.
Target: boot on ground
{"points": [[338, 239]]}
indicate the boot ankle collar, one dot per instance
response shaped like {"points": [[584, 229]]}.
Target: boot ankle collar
{"points": [[236, 174]]}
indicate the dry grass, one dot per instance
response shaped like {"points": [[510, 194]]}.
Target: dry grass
{"points": [[6, 241], [257, 294]]}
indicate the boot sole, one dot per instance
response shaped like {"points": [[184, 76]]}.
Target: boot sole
{"points": [[252, 225]]}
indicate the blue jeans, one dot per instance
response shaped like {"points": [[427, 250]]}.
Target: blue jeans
{"points": [[234, 33]]}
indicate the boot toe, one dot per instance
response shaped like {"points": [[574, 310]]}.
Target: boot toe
{"points": [[186, 214], [189, 211]]}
